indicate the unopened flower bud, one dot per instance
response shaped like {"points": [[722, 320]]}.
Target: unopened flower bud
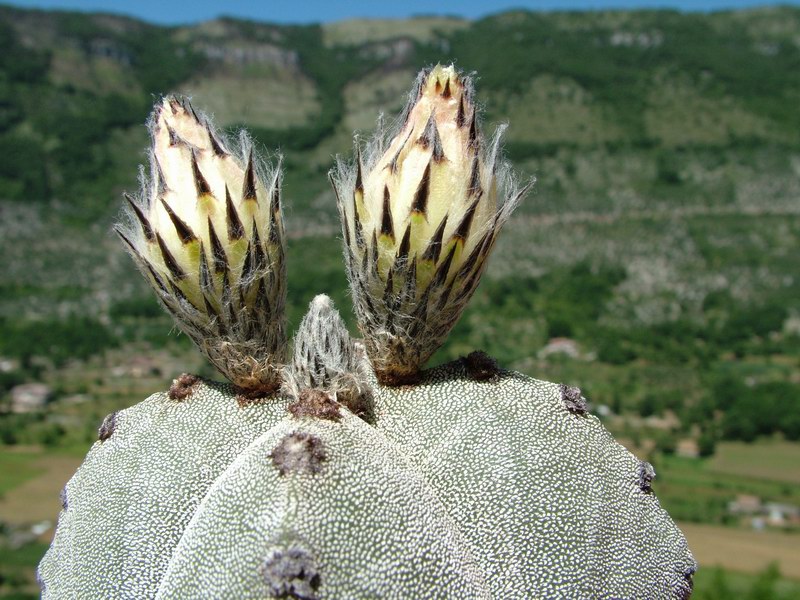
{"points": [[207, 233], [420, 216]]}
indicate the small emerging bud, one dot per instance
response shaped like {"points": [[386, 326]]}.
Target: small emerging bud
{"points": [[326, 359], [420, 217], [207, 234]]}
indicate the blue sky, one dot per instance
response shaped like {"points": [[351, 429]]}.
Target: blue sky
{"points": [[310, 11]]}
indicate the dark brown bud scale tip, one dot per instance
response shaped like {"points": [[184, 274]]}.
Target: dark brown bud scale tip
{"points": [[410, 286], [206, 281], [260, 260], [430, 139], [473, 131], [200, 183], [472, 259], [388, 289], [174, 104], [169, 260], [405, 245], [274, 229], [442, 270], [395, 159], [275, 205], [434, 248], [188, 106], [446, 93], [387, 227], [249, 185], [316, 404], [130, 246], [420, 204], [474, 188], [147, 229], [374, 252], [359, 176], [215, 315], [235, 227], [157, 279], [158, 176], [184, 232], [178, 293], [248, 268], [183, 386], [217, 251], [216, 146], [462, 231], [461, 118], [174, 138]]}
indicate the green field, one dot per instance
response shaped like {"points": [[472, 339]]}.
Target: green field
{"points": [[16, 468], [694, 490], [773, 460]]}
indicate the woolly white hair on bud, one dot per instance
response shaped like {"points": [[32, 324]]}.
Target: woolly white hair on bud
{"points": [[420, 215], [206, 231], [326, 358]]}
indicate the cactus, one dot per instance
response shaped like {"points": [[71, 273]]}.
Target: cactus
{"points": [[363, 476], [465, 486]]}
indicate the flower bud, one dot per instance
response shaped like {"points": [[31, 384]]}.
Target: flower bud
{"points": [[207, 234], [420, 216]]}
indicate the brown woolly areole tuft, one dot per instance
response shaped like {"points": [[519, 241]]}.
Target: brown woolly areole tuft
{"points": [[481, 367], [183, 386], [316, 404], [299, 452], [108, 426], [421, 206]]}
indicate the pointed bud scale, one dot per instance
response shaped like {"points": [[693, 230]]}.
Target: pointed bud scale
{"points": [[436, 180], [196, 232]]}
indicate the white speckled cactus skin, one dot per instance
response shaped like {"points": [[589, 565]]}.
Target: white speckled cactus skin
{"points": [[460, 489]]}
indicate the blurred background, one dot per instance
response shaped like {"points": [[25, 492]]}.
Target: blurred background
{"points": [[656, 265]]}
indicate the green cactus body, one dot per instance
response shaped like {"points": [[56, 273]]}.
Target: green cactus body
{"points": [[368, 522], [461, 488], [550, 505], [127, 506]]}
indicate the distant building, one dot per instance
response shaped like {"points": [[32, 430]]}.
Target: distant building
{"points": [[745, 504], [762, 515], [782, 515], [687, 448], [30, 397], [7, 365], [560, 345]]}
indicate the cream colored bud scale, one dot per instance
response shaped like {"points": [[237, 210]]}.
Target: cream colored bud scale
{"points": [[207, 233]]}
